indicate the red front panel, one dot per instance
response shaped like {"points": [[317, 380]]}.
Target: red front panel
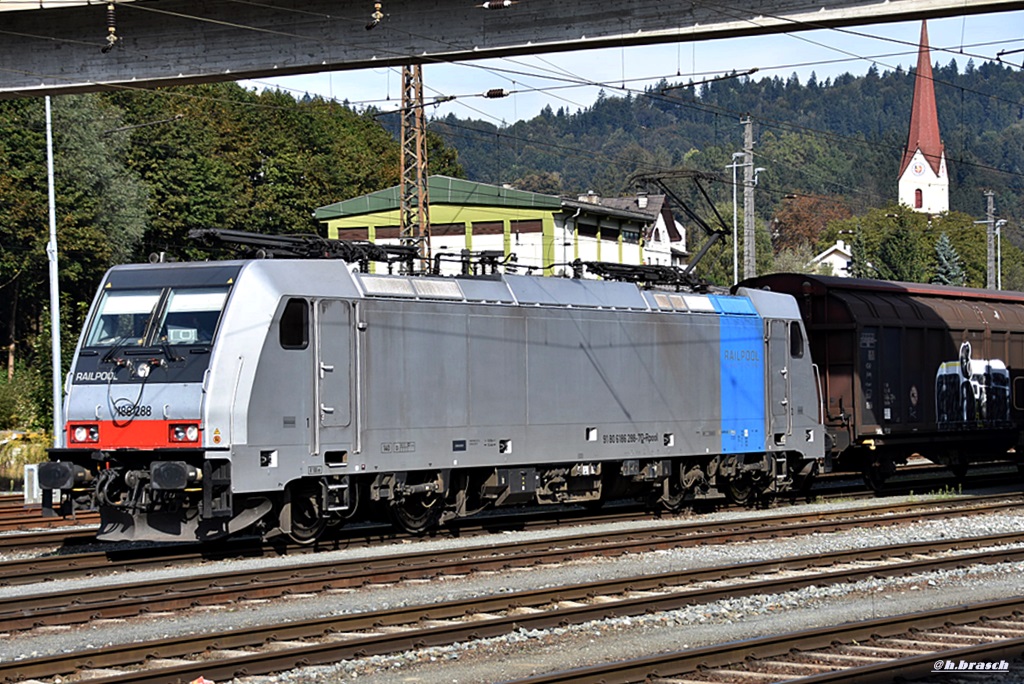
{"points": [[134, 434]]}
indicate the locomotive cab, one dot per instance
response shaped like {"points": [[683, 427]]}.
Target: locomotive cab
{"points": [[135, 443]]}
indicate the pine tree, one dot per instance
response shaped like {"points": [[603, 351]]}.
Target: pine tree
{"points": [[900, 256], [859, 266], [949, 267]]}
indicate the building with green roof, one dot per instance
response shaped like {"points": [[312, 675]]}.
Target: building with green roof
{"points": [[543, 232]]}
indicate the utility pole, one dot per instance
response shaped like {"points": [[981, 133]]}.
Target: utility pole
{"points": [[735, 240], [990, 239], [749, 265], [51, 255], [414, 202]]}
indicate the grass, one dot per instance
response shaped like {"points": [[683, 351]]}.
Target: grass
{"points": [[947, 492]]}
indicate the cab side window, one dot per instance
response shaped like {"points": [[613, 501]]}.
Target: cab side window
{"points": [[796, 341], [294, 328]]}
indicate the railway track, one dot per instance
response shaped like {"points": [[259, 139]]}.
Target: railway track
{"points": [[13, 520], [125, 599], [881, 650], [16, 515], [278, 647], [669, 534]]}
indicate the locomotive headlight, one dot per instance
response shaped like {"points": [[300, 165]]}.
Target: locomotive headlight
{"points": [[85, 434], [142, 370], [184, 433]]}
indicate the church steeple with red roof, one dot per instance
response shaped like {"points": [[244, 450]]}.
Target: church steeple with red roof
{"points": [[924, 182]]}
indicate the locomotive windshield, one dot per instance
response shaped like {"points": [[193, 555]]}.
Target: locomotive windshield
{"points": [[144, 318]]}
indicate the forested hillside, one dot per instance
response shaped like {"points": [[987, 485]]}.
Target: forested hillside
{"points": [[136, 170], [839, 138]]}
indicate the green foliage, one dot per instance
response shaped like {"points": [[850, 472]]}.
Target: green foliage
{"points": [[897, 243], [949, 268], [18, 449], [840, 139], [716, 266], [100, 213], [137, 170], [545, 182], [798, 260], [901, 256], [221, 156], [17, 406]]}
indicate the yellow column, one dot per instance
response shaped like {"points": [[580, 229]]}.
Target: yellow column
{"points": [[371, 235], [548, 244]]}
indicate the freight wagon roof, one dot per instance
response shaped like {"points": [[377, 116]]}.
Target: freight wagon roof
{"points": [[794, 284], [868, 302]]}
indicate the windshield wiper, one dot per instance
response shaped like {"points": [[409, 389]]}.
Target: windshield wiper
{"points": [[166, 349], [118, 345]]}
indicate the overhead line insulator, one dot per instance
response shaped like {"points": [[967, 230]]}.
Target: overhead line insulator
{"points": [[112, 36]]}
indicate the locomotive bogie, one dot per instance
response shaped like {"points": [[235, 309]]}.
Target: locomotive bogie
{"points": [[323, 395]]}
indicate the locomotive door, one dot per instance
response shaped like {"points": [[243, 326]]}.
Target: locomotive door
{"points": [[779, 385], [333, 374]]}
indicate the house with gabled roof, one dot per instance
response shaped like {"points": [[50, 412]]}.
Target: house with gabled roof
{"points": [[534, 232]]}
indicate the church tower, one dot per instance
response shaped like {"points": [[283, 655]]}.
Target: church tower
{"points": [[924, 182]]}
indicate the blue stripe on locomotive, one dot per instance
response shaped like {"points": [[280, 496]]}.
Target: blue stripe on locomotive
{"points": [[741, 358]]}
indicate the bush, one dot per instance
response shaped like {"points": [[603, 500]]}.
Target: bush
{"points": [[18, 449], [17, 404]]}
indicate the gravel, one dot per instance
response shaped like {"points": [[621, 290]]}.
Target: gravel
{"points": [[526, 652]]}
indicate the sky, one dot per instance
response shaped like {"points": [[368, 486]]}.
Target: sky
{"points": [[574, 79]]}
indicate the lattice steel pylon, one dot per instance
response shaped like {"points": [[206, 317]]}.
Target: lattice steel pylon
{"points": [[415, 203]]}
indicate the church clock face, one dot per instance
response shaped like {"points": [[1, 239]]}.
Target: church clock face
{"points": [[917, 168]]}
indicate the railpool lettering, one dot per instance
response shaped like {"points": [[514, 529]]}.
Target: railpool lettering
{"points": [[741, 355], [94, 376]]}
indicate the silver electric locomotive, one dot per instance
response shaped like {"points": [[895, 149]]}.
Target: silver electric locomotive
{"points": [[283, 396]]}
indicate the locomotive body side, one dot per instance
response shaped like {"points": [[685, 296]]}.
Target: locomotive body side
{"points": [[324, 395], [912, 369]]}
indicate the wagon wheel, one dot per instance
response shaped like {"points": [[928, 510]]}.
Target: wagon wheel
{"points": [[418, 512], [959, 465], [308, 520], [875, 477], [878, 469]]}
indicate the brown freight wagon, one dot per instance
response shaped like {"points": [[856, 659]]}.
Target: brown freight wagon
{"points": [[909, 369]]}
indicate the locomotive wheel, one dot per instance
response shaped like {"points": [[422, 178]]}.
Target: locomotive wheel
{"points": [[420, 512], [308, 521], [739, 489], [673, 498]]}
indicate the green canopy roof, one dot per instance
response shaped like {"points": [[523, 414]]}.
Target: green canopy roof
{"points": [[443, 190]]}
